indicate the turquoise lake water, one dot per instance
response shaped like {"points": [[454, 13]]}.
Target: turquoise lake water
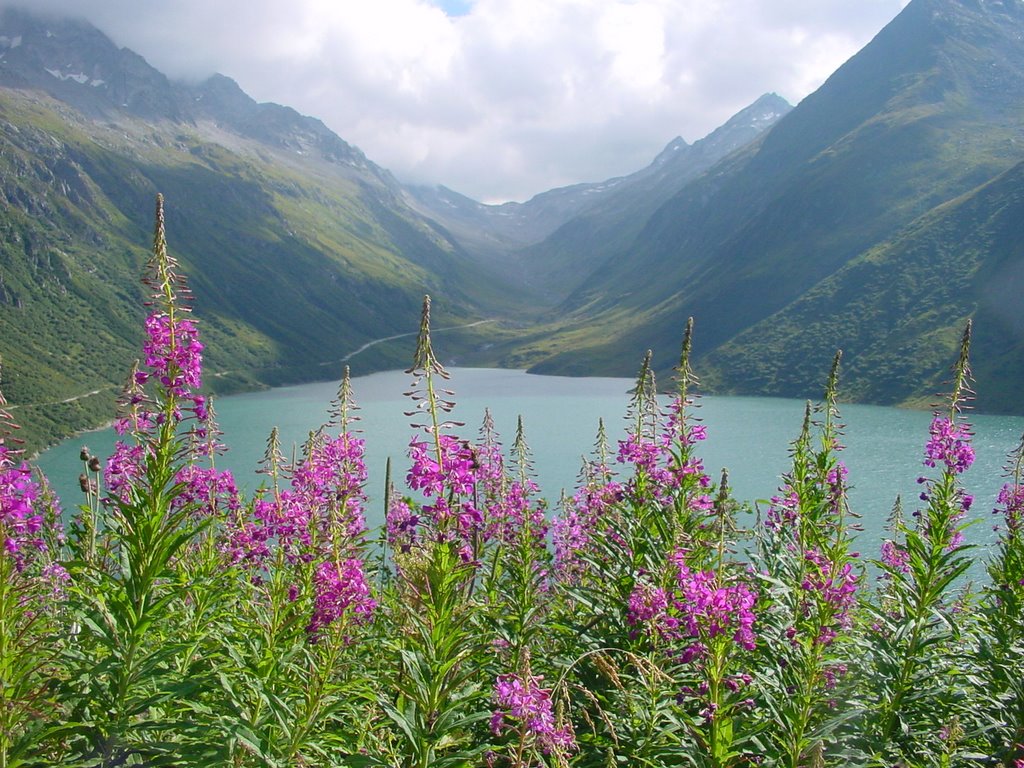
{"points": [[750, 436]]}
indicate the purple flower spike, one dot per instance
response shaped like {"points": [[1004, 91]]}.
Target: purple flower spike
{"points": [[950, 444], [520, 697], [341, 592], [647, 604], [19, 519], [173, 354], [1011, 506], [895, 557], [208, 489], [574, 531], [709, 610], [125, 465], [456, 474]]}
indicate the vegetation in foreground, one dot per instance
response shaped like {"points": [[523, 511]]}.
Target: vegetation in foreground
{"points": [[173, 622]]}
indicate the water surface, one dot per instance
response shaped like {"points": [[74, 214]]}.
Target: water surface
{"points": [[750, 436]]}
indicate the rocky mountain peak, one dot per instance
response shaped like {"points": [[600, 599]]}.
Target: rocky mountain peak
{"points": [[77, 64]]}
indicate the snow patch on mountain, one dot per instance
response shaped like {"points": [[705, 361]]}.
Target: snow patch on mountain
{"points": [[79, 77]]}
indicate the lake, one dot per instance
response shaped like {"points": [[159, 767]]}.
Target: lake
{"points": [[750, 436]]}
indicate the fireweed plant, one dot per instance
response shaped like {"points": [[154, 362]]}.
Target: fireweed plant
{"points": [[646, 619]]}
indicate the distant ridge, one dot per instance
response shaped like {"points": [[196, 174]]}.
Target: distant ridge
{"points": [[929, 111], [538, 238]]}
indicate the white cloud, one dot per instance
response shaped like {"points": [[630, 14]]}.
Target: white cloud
{"points": [[501, 99]]}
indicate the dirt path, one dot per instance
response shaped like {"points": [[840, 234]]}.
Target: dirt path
{"points": [[57, 402], [218, 374], [369, 344]]}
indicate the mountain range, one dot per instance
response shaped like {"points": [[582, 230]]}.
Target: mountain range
{"points": [[877, 216], [909, 147]]}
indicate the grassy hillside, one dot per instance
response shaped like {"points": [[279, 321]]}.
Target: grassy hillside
{"points": [[898, 310], [293, 265]]}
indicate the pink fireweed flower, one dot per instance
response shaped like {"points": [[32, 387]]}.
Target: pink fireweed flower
{"points": [[783, 512], [1010, 504], [708, 610], [512, 511], [206, 489], [956, 537], [835, 587], [456, 473], [459, 522], [138, 420], [56, 579], [836, 480], [572, 532], [329, 484], [125, 467], [20, 521], [950, 444], [173, 354], [641, 453], [453, 514], [650, 460], [323, 507], [832, 674], [290, 523], [248, 542], [895, 557], [490, 468], [173, 359], [648, 607], [677, 427], [341, 593], [520, 698], [402, 524]]}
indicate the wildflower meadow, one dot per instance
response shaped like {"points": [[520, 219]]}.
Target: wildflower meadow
{"points": [[166, 619]]}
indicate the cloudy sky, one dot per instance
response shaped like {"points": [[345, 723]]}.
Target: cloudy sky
{"points": [[501, 99]]}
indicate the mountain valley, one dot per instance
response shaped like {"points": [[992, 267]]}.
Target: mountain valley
{"points": [[877, 216]]}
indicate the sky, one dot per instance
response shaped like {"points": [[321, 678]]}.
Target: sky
{"points": [[500, 99]]}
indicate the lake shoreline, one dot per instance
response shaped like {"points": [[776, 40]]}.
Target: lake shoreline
{"points": [[750, 436]]}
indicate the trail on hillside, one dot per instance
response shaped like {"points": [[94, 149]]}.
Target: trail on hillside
{"points": [[369, 344], [58, 402], [219, 374]]}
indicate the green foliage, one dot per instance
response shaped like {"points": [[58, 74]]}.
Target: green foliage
{"points": [[179, 624]]}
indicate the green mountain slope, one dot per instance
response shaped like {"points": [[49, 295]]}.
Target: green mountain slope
{"points": [[929, 110], [898, 311], [298, 249]]}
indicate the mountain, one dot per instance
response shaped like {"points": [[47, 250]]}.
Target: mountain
{"points": [[556, 237], [877, 216], [563, 262], [298, 248], [898, 308], [930, 110]]}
